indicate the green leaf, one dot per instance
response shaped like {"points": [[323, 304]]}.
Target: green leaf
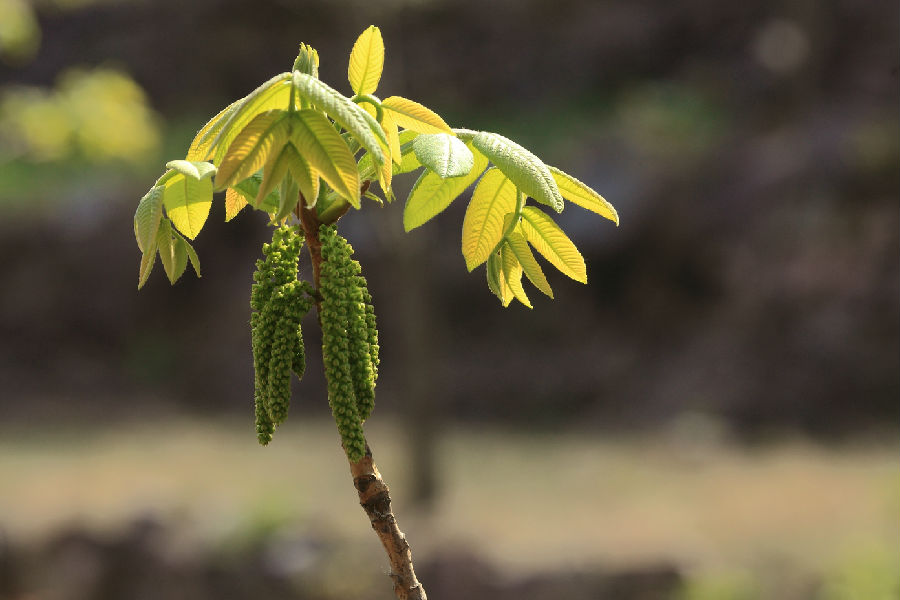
{"points": [[325, 151], [266, 134], [578, 193], [191, 254], [553, 244], [393, 135], [523, 168], [234, 203], [166, 246], [443, 154], [305, 176], [249, 188], [512, 275], [195, 169], [202, 144], [147, 261], [431, 194], [147, 217], [412, 115], [187, 201], [494, 197], [493, 275], [288, 198], [530, 266], [181, 255], [273, 94], [343, 111], [366, 61]]}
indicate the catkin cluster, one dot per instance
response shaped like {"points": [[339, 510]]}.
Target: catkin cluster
{"points": [[349, 340], [279, 302]]}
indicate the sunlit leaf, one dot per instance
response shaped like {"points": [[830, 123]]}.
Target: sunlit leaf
{"points": [[366, 61], [512, 275], [530, 266], [191, 254], [187, 201], [273, 94], [181, 255], [266, 134], [249, 188], [166, 247], [202, 143], [305, 176], [552, 243], [522, 167], [493, 276], [342, 110], [393, 135], [147, 217], [578, 193], [494, 197], [147, 261], [195, 169], [443, 154], [325, 151], [289, 195], [431, 194], [234, 203], [412, 115]]}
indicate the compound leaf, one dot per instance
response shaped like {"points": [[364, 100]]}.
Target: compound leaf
{"points": [[525, 169], [324, 149], [578, 193], [530, 266], [147, 217], [553, 244], [266, 134], [187, 201], [431, 194], [412, 115], [366, 61], [443, 154], [494, 197], [512, 275]]}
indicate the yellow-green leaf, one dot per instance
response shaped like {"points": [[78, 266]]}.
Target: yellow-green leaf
{"points": [[431, 194], [512, 275], [412, 115], [530, 266], [249, 187], [393, 135], [147, 261], [523, 168], [191, 254], [168, 255], [325, 151], [492, 269], [196, 169], [266, 134], [552, 243], [273, 172], [443, 154], [366, 61], [187, 201], [494, 197], [202, 144], [147, 217], [234, 202], [578, 193], [305, 176]]}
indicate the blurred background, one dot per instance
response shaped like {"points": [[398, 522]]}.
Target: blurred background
{"points": [[714, 416]]}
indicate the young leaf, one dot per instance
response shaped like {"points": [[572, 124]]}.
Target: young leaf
{"points": [[393, 135], [553, 244], [493, 275], [234, 202], [288, 198], [249, 189], [187, 201], [166, 248], [305, 176], [191, 254], [523, 168], [273, 94], [494, 197], [147, 261], [414, 116], [325, 151], [202, 143], [519, 246], [181, 255], [266, 134], [578, 193], [431, 194], [343, 111], [195, 169], [366, 61], [512, 275], [273, 172], [443, 154], [147, 217]]}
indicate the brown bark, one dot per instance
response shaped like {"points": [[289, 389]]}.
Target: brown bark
{"points": [[374, 495]]}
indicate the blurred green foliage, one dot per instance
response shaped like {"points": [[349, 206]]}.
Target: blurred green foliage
{"points": [[20, 36]]}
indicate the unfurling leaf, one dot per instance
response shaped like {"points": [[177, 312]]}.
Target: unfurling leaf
{"points": [[366, 61], [187, 201], [530, 266], [512, 276], [431, 194], [147, 217], [325, 151], [266, 134], [578, 193], [443, 154], [552, 243], [522, 167], [412, 115], [494, 197], [393, 135]]}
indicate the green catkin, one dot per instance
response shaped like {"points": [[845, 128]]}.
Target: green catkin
{"points": [[336, 277], [278, 301], [358, 336]]}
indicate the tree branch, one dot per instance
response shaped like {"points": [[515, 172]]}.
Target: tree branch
{"points": [[374, 494]]}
